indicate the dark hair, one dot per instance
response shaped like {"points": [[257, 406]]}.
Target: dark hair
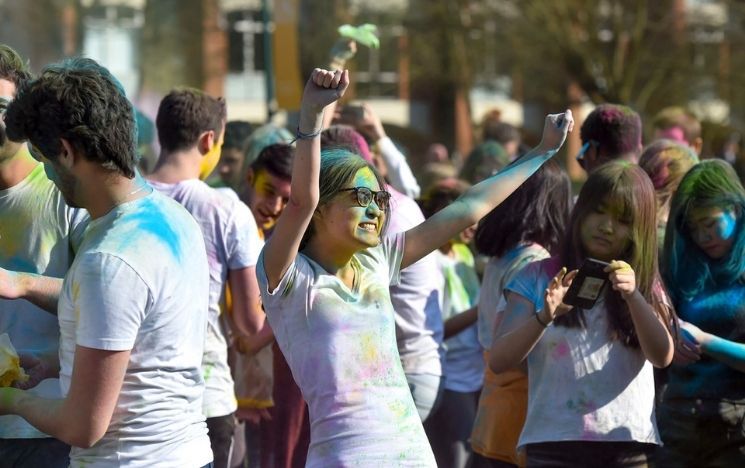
{"points": [[501, 132], [338, 168], [484, 161], [671, 117], [441, 194], [536, 212], [81, 101], [186, 113], [236, 134], [276, 159], [627, 186], [616, 128], [12, 66], [688, 270]]}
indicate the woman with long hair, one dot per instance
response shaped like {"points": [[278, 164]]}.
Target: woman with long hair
{"points": [[525, 228], [590, 379], [325, 274], [702, 414]]}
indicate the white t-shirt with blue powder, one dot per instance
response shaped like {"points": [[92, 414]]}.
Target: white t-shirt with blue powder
{"points": [[140, 282]]}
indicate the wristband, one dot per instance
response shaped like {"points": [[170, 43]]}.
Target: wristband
{"points": [[305, 136], [538, 318]]}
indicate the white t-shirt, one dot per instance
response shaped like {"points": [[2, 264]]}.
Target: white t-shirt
{"points": [[341, 348], [581, 385], [498, 273], [38, 233], [416, 298], [464, 360], [233, 243], [140, 282]]}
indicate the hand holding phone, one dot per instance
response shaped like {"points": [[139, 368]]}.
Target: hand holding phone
{"points": [[588, 285]]}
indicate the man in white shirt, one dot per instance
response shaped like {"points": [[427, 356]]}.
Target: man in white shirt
{"points": [[133, 306], [190, 129], [38, 233]]}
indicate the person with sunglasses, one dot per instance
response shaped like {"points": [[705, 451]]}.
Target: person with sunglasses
{"points": [[325, 275], [610, 132]]}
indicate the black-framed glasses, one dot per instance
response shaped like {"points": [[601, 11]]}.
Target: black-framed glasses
{"points": [[365, 196], [585, 146]]}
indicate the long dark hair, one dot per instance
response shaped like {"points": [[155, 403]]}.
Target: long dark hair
{"points": [[536, 212], [627, 186]]}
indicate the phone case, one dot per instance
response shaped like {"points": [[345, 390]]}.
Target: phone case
{"points": [[588, 285]]}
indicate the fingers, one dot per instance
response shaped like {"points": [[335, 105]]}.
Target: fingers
{"points": [[558, 279], [338, 79], [618, 266], [569, 277], [343, 82]]}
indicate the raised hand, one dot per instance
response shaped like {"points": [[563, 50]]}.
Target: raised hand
{"points": [[552, 299], [323, 88], [555, 130], [622, 277]]}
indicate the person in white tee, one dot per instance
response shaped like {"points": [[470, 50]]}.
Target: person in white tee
{"points": [[190, 130], [324, 277], [133, 306]]}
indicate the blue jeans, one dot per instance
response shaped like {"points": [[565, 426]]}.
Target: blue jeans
{"points": [[33, 453], [426, 389]]}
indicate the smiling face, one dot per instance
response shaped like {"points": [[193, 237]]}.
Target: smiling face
{"points": [[712, 229], [605, 232], [343, 222], [268, 196]]}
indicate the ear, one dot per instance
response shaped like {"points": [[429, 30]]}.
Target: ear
{"points": [[206, 141], [250, 176], [68, 155]]}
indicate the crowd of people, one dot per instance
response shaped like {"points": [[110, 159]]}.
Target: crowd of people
{"points": [[265, 298]]}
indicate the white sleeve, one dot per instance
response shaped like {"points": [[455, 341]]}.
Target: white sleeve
{"points": [[112, 301], [243, 241], [399, 172]]}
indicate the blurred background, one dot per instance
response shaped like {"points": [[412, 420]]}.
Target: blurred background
{"points": [[442, 67]]}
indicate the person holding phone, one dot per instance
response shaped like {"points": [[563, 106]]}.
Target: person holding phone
{"points": [[325, 275], [590, 379]]}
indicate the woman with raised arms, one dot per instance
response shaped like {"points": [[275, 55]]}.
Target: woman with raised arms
{"points": [[325, 274]]}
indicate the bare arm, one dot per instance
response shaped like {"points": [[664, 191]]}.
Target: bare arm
{"points": [[82, 418], [516, 335], [252, 344], [483, 197], [459, 322], [520, 327], [42, 291], [323, 88], [655, 340], [729, 352], [247, 314]]}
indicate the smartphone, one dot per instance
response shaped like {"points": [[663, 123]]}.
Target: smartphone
{"points": [[588, 285]]}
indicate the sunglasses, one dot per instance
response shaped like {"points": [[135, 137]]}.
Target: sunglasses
{"points": [[581, 154], [365, 196]]}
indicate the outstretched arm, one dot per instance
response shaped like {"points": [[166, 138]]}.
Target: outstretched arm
{"points": [[483, 197], [42, 291], [323, 88], [729, 352]]}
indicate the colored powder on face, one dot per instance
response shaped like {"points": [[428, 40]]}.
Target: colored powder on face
{"points": [[727, 225], [673, 133]]}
